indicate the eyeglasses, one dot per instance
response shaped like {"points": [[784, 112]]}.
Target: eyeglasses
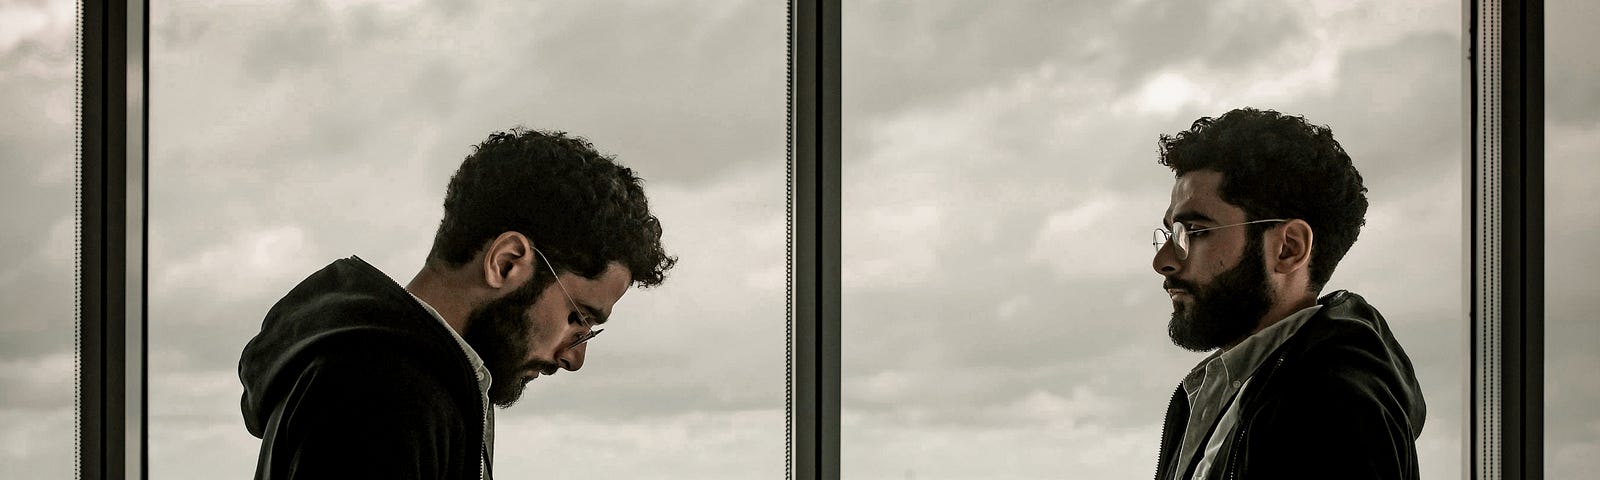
{"points": [[1181, 231], [582, 319]]}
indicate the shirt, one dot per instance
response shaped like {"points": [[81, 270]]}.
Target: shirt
{"points": [[1216, 382]]}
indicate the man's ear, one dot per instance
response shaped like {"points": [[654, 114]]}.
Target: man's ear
{"points": [[508, 260], [1294, 244]]}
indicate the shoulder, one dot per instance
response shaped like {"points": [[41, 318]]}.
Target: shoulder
{"points": [[371, 412], [1343, 399], [1346, 352], [376, 377]]}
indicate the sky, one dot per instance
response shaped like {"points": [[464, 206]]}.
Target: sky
{"points": [[1000, 184]]}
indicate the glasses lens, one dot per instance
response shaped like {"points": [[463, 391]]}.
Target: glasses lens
{"points": [[1180, 240]]}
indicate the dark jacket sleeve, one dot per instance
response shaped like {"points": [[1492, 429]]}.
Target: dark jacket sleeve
{"points": [[365, 415], [1335, 417]]}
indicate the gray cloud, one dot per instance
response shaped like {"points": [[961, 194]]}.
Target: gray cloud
{"points": [[936, 51], [1570, 66], [36, 185], [36, 270]]}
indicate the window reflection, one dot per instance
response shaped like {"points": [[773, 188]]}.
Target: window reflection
{"points": [[286, 135], [1000, 187]]}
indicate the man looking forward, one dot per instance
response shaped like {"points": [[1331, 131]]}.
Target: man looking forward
{"points": [[1263, 208], [353, 376]]}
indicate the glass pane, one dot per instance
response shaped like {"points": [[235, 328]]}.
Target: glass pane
{"points": [[37, 182], [286, 135], [1572, 229], [1000, 188]]}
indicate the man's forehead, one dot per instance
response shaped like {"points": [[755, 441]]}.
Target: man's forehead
{"points": [[600, 294], [1198, 194]]}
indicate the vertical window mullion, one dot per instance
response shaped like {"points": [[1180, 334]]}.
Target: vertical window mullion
{"points": [[817, 240], [102, 243], [1507, 260]]}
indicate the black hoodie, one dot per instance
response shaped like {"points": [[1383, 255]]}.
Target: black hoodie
{"points": [[351, 378], [1337, 400]]}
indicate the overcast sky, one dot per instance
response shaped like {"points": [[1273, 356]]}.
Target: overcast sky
{"points": [[1001, 318]]}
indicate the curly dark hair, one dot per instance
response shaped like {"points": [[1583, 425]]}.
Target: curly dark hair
{"points": [[578, 206], [1278, 166]]}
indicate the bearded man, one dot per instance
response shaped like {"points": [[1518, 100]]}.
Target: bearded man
{"points": [[354, 376], [1263, 208]]}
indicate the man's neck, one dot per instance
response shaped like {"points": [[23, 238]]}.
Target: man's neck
{"points": [[1278, 312], [434, 288]]}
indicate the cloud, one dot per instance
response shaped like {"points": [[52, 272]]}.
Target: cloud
{"points": [[1570, 66], [40, 382], [1095, 239], [899, 254], [1027, 452], [731, 445], [27, 25], [1572, 444], [37, 443], [248, 263], [201, 448]]}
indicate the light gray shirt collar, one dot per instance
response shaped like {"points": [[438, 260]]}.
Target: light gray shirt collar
{"points": [[478, 367]]}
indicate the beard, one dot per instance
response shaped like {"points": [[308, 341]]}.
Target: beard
{"points": [[500, 332], [1227, 309]]}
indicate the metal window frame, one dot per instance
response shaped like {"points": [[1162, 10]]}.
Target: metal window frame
{"points": [[1505, 96], [816, 97], [113, 192]]}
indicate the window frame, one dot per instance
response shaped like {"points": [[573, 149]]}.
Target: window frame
{"points": [[1505, 168]]}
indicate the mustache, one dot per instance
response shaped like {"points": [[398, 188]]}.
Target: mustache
{"points": [[1173, 283]]}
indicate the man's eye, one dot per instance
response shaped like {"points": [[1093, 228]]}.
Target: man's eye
{"points": [[575, 318]]}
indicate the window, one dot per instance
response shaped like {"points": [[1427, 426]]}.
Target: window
{"points": [[287, 135], [1000, 185]]}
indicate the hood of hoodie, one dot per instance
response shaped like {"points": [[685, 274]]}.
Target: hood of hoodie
{"points": [[348, 305], [1347, 319]]}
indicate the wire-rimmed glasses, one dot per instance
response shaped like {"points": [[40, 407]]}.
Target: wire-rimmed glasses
{"points": [[582, 318], [1181, 231]]}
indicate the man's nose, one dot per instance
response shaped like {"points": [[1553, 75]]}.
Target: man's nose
{"points": [[571, 359], [1166, 260]]}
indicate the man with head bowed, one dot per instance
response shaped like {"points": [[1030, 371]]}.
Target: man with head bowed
{"points": [[356, 376]]}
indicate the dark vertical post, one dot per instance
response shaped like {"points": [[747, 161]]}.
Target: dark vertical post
{"points": [[1522, 234], [817, 189], [1507, 175], [103, 243], [140, 177]]}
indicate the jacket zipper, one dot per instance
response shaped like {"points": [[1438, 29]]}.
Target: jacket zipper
{"points": [[1244, 425], [1166, 442], [483, 437]]}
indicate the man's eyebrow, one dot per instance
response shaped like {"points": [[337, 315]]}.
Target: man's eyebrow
{"points": [[593, 313], [1191, 216]]}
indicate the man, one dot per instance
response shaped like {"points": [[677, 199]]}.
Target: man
{"points": [[353, 376], [1264, 207]]}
